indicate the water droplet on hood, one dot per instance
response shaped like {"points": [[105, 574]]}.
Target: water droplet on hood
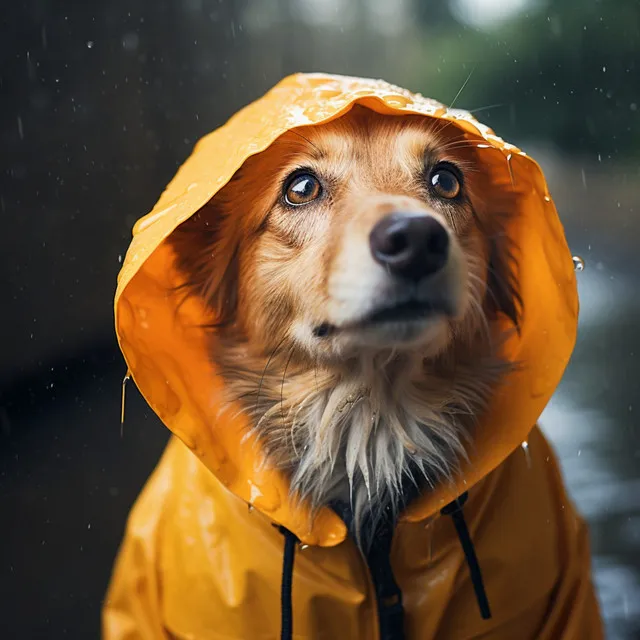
{"points": [[527, 453], [126, 379]]}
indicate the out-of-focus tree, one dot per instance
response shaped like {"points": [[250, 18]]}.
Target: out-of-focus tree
{"points": [[564, 71]]}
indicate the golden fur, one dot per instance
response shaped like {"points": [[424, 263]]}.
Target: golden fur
{"points": [[350, 409]]}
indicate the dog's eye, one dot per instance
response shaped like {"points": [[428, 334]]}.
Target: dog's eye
{"points": [[302, 189], [445, 183]]}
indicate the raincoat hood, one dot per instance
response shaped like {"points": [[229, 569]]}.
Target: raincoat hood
{"points": [[166, 352]]}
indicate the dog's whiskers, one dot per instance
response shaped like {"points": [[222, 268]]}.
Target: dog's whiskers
{"points": [[264, 371]]}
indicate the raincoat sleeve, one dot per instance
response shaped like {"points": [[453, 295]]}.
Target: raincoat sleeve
{"points": [[132, 609]]}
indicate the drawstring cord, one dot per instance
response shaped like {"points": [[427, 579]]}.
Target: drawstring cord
{"points": [[290, 541], [454, 509]]}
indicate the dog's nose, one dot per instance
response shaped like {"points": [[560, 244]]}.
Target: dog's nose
{"points": [[410, 245]]}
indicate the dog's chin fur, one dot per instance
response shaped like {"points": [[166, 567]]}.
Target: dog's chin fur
{"points": [[358, 433], [355, 416]]}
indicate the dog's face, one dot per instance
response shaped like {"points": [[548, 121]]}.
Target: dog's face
{"points": [[363, 218], [356, 236], [354, 273]]}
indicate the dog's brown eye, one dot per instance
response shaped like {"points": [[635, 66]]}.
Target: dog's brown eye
{"points": [[445, 183], [302, 189]]}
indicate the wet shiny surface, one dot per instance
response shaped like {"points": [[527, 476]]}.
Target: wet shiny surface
{"points": [[593, 426]]}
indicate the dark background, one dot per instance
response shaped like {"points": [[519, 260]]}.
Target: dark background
{"points": [[100, 103]]}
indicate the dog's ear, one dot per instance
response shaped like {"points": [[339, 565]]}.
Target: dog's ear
{"points": [[208, 259], [503, 295]]}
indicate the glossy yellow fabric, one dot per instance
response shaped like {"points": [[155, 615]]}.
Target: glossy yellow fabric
{"points": [[197, 563]]}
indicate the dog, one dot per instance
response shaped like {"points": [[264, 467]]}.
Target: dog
{"points": [[350, 306], [354, 270]]}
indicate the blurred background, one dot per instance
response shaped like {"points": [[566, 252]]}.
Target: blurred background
{"points": [[100, 102]]}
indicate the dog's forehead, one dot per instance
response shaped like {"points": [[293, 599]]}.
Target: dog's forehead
{"points": [[365, 131], [370, 144]]}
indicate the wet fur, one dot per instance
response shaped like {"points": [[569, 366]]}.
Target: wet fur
{"points": [[351, 419]]}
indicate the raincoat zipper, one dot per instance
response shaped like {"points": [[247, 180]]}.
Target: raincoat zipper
{"points": [[389, 607], [389, 610]]}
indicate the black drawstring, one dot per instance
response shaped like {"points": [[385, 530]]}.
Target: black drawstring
{"points": [[454, 509], [290, 541]]}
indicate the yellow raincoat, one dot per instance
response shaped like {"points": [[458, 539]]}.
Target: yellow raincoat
{"points": [[201, 559]]}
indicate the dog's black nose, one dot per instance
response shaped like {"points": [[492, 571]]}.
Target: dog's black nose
{"points": [[410, 245]]}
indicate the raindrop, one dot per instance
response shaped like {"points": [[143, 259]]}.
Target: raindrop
{"points": [[89, 44], [130, 41], [510, 169], [527, 453], [120, 258], [578, 263], [126, 379], [429, 529], [20, 129]]}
